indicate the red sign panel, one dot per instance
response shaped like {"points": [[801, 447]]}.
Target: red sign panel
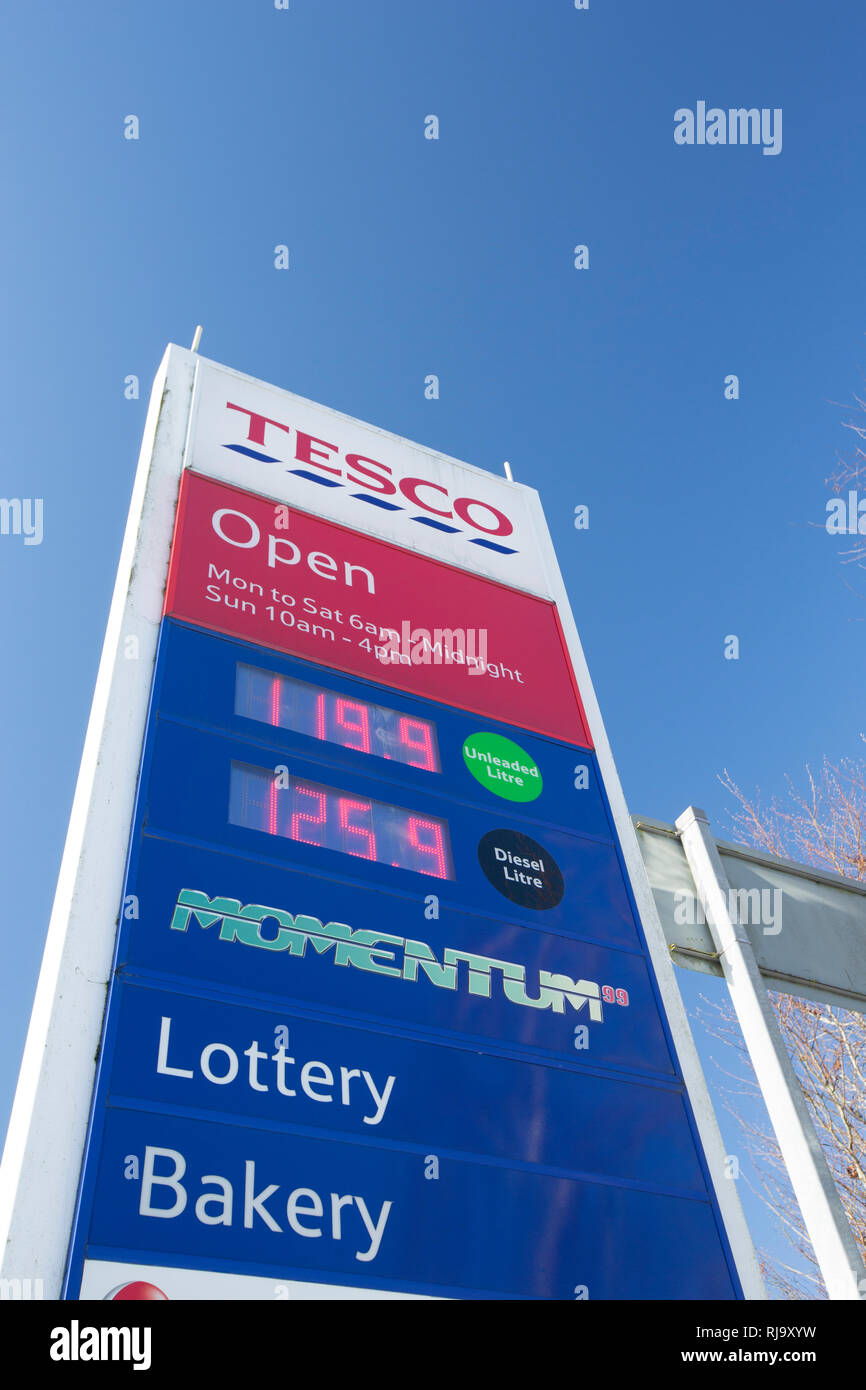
{"points": [[252, 569]]}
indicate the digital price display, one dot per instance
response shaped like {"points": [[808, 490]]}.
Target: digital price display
{"points": [[325, 816], [286, 703]]}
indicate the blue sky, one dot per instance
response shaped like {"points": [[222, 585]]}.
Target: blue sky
{"points": [[452, 257]]}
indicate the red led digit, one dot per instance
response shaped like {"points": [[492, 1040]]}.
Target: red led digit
{"points": [[308, 818], [361, 728], [424, 745], [366, 849], [433, 845], [359, 725], [275, 702], [272, 808], [320, 716]]}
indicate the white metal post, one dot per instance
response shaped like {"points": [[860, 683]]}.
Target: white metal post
{"points": [[835, 1248]]}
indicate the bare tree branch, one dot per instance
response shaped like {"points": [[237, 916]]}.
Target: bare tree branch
{"points": [[822, 823]]}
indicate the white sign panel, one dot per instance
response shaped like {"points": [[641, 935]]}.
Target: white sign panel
{"points": [[113, 1282], [807, 928], [279, 445]]}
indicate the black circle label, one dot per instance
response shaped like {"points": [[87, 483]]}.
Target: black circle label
{"points": [[521, 869]]}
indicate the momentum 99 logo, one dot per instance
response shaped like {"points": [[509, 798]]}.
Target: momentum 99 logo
{"points": [[369, 950]]}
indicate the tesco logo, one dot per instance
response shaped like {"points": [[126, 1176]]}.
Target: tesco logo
{"points": [[320, 462]]}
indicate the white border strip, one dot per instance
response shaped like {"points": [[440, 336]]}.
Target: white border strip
{"points": [[44, 1149]]}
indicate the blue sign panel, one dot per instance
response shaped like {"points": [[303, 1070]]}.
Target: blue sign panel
{"points": [[595, 903], [278, 1066], [241, 923], [382, 1012], [255, 1201]]}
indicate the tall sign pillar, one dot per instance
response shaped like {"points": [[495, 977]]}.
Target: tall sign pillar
{"points": [[389, 1011]]}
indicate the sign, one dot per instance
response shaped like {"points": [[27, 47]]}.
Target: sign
{"points": [[502, 767], [777, 903], [383, 1019], [355, 604], [283, 447], [521, 869]]}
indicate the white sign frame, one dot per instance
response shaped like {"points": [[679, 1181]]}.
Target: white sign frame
{"points": [[39, 1177]]}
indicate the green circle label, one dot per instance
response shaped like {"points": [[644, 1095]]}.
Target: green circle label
{"points": [[502, 767]]}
